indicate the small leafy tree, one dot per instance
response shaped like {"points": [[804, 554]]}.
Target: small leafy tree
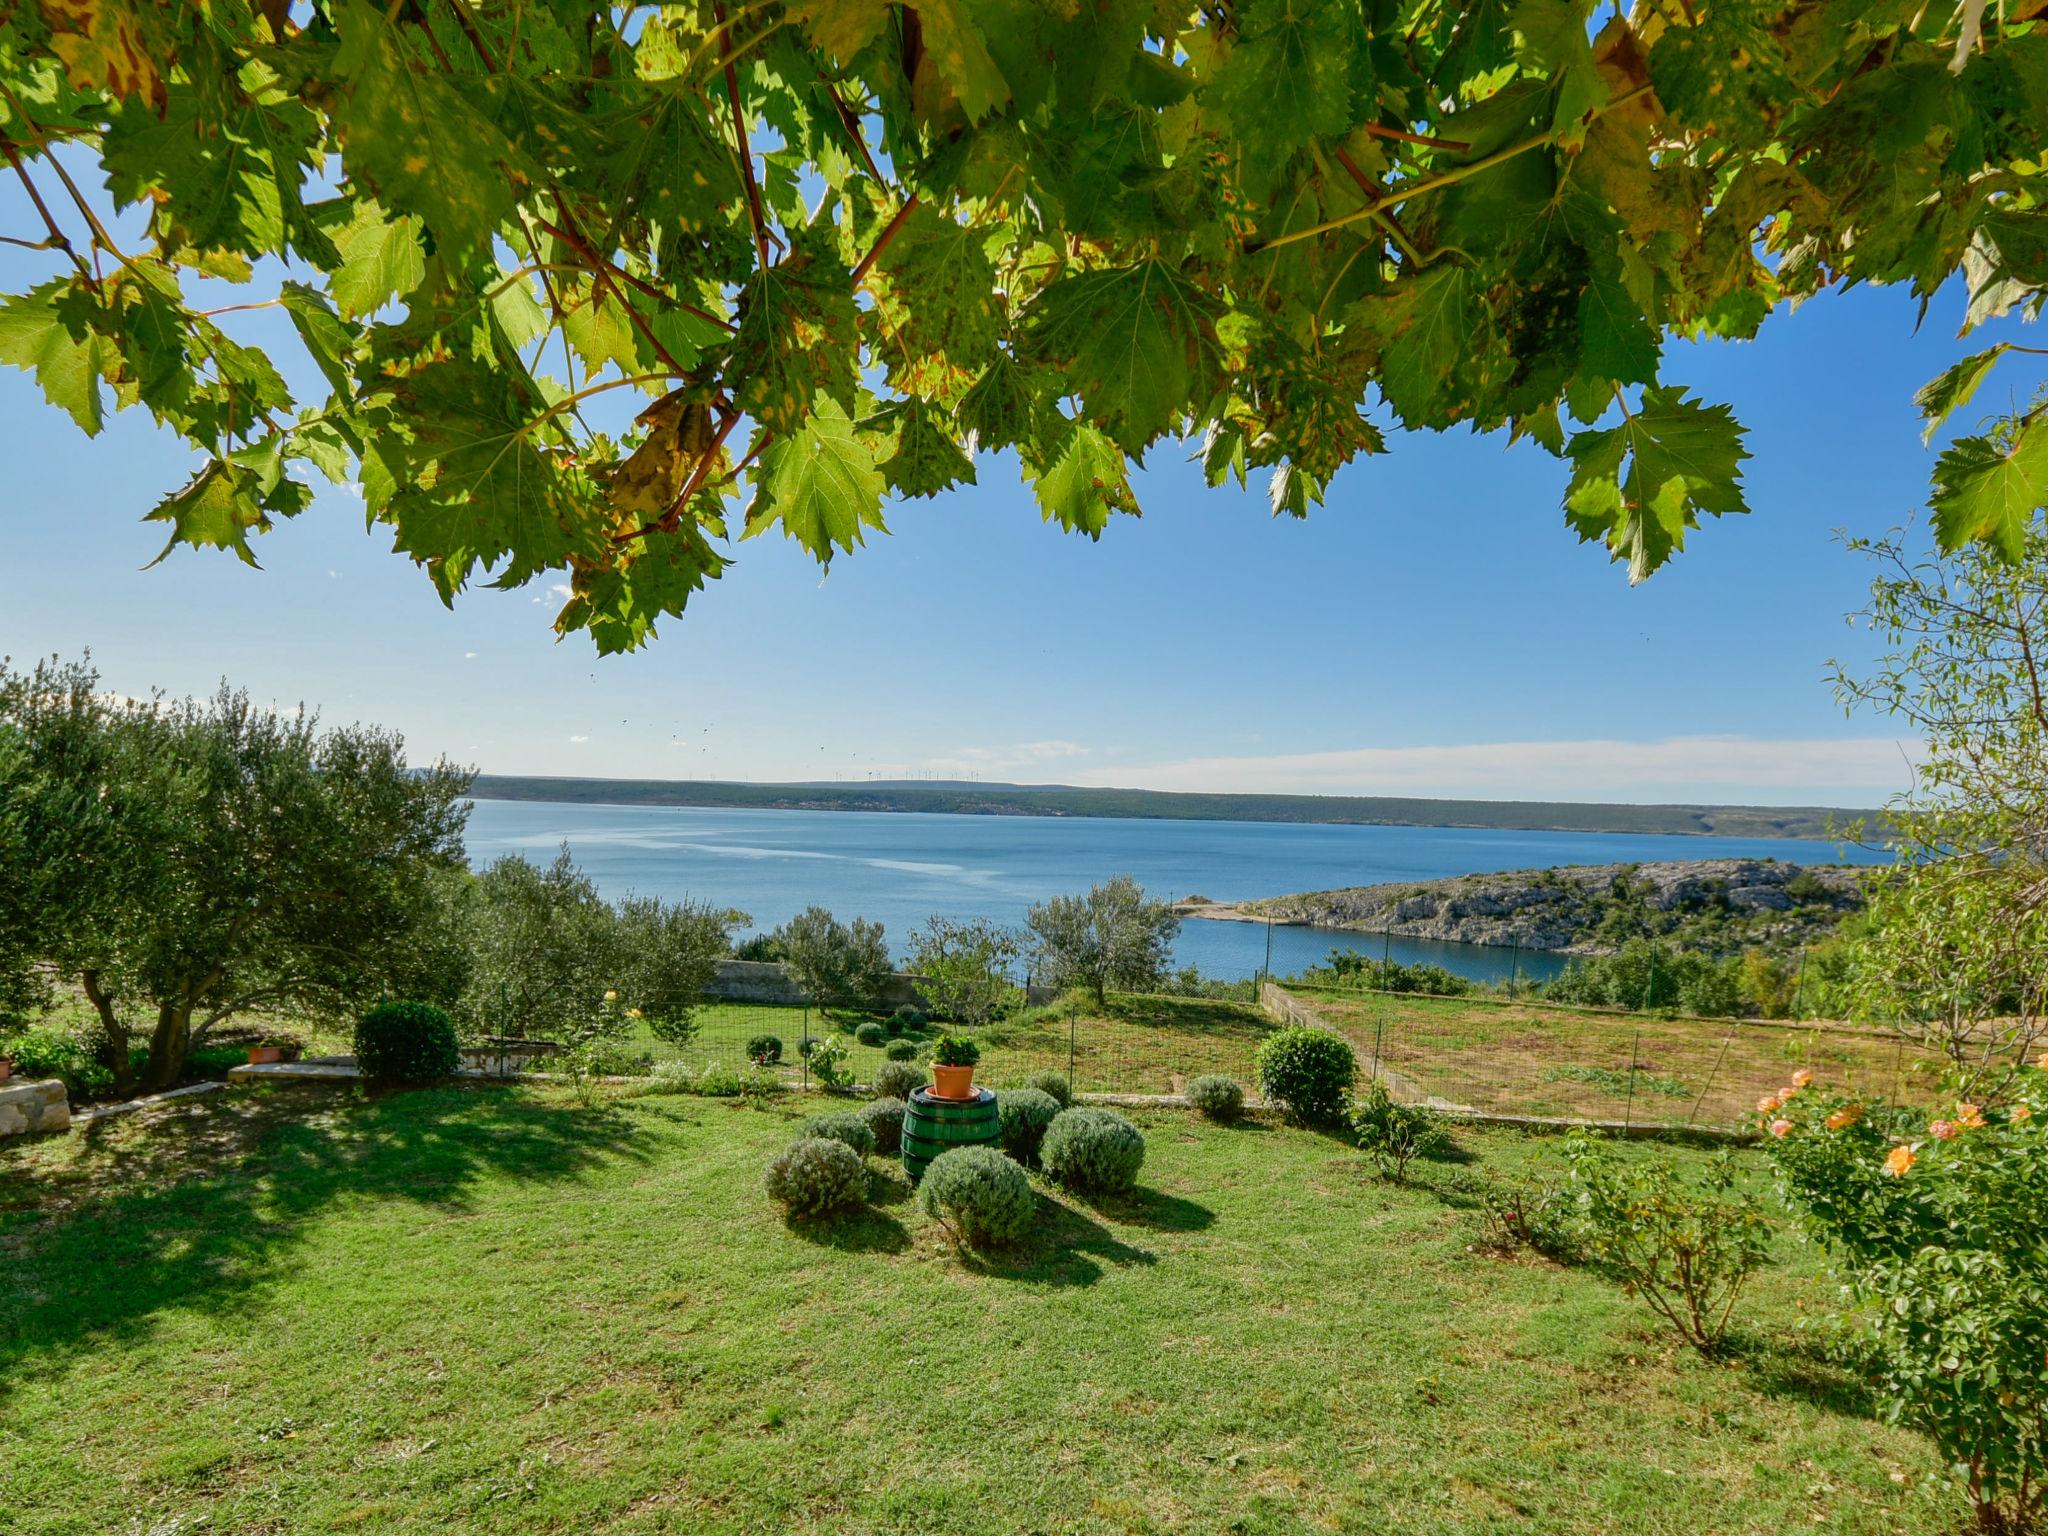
{"points": [[1115, 936], [1686, 1246], [664, 955], [964, 967], [1934, 1229], [1394, 1134], [1958, 923], [215, 859], [840, 965]]}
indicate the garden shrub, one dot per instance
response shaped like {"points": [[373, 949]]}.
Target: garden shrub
{"points": [[896, 1080], [847, 1126], [908, 1017], [955, 1051], [1686, 1246], [406, 1043], [46, 1052], [900, 1050], [764, 1050], [1054, 1083], [871, 1034], [885, 1118], [981, 1196], [1025, 1113], [1216, 1096], [1096, 1150], [1934, 1228], [1308, 1072], [1394, 1134], [1536, 1214], [715, 1080], [815, 1176], [828, 1063]]}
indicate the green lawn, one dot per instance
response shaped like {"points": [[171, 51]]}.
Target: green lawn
{"points": [[488, 1310]]}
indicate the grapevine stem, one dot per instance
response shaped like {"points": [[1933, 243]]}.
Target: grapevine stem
{"points": [[852, 126], [653, 290], [469, 30], [882, 240], [1374, 196], [601, 272], [739, 128], [1437, 183], [57, 236], [1402, 136]]}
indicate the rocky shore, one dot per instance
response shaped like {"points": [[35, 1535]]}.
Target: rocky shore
{"points": [[1722, 904]]}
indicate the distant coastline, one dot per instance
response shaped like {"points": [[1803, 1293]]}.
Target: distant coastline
{"points": [[976, 799]]}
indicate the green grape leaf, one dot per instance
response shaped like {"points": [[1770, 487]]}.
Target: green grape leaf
{"points": [[51, 331], [1950, 390], [330, 339], [796, 342], [654, 576], [1137, 344], [1288, 76], [1988, 492], [924, 460], [1641, 485], [998, 410], [381, 257], [1081, 478], [820, 483]]}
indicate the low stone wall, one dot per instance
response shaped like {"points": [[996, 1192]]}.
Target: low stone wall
{"points": [[34, 1108], [767, 981]]}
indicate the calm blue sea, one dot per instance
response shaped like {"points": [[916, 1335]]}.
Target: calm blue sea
{"points": [[900, 869]]}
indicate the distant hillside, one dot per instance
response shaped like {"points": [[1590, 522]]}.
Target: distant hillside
{"points": [[1715, 905], [958, 798]]}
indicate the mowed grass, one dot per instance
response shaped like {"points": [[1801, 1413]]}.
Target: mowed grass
{"points": [[1541, 1060], [1132, 1044], [488, 1310]]}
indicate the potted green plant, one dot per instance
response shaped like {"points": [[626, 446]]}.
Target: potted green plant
{"points": [[953, 1059], [273, 1048], [6, 1068]]}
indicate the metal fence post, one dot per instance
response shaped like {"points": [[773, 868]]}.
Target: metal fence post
{"points": [[802, 1049], [1515, 971], [1071, 1016], [1378, 1030], [1628, 1114], [1693, 1118]]}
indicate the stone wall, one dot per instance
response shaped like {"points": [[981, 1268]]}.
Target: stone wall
{"points": [[33, 1108], [766, 981]]}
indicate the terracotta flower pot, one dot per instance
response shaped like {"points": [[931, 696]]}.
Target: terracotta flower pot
{"points": [[261, 1054], [952, 1082], [6, 1068]]}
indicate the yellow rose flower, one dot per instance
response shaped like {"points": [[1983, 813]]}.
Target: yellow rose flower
{"points": [[611, 997], [1900, 1160]]}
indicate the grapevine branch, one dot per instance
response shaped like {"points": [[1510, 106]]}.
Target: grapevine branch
{"points": [[739, 128], [57, 236], [889, 232]]}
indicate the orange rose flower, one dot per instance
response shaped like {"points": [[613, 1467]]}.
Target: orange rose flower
{"points": [[1781, 1128], [1802, 1077], [1942, 1130], [1969, 1117], [1848, 1114], [1767, 1103], [1900, 1160], [2022, 1112]]}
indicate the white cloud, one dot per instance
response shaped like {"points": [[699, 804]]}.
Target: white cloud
{"points": [[1683, 768], [577, 741], [469, 655], [559, 591]]}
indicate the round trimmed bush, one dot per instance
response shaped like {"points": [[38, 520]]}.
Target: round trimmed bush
{"points": [[983, 1197], [816, 1175], [846, 1126], [1025, 1113], [1307, 1072], [764, 1050], [1218, 1097], [1054, 1083], [909, 1016], [896, 1080], [806, 1045], [900, 1050], [406, 1043], [885, 1118], [870, 1033], [1097, 1150]]}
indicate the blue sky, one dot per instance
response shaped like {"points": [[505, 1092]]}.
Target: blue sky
{"points": [[1434, 629]]}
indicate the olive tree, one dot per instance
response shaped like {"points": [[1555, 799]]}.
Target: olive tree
{"points": [[204, 859], [1115, 936], [840, 965], [1956, 945], [963, 967]]}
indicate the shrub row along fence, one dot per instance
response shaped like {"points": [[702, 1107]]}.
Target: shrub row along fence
{"points": [[1486, 1055]]}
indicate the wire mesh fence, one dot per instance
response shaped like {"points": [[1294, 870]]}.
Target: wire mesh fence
{"points": [[1484, 1054]]}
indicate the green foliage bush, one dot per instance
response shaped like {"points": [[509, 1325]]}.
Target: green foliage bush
{"points": [[406, 1043], [871, 1034], [1308, 1072], [847, 1126], [838, 965], [44, 1051], [1686, 1246], [1394, 1134], [1349, 968], [1054, 1083], [827, 1058], [1025, 1114], [1934, 1228], [896, 1080], [1536, 1214], [1096, 1150], [714, 1080], [764, 1050], [885, 1118], [762, 948], [955, 1051], [908, 1017], [1216, 1096], [816, 1176], [1646, 976], [900, 1050], [980, 1195]]}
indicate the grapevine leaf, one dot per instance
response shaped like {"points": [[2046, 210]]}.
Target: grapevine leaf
{"points": [[997, 411], [796, 342], [50, 331], [1988, 493], [820, 482], [328, 338], [1288, 77], [1950, 390], [381, 258], [654, 575], [1080, 478], [924, 460], [1641, 485]]}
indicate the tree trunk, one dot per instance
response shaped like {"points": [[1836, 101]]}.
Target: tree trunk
{"points": [[167, 1046], [112, 1046]]}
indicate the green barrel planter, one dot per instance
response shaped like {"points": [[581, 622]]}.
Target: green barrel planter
{"points": [[932, 1126]]}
